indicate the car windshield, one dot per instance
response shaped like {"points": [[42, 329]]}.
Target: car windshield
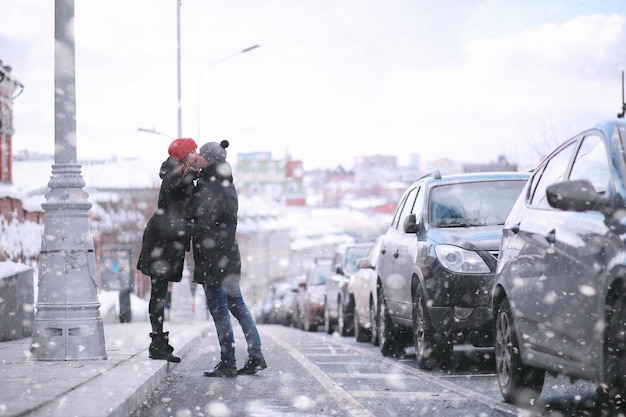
{"points": [[320, 274], [483, 203], [352, 255]]}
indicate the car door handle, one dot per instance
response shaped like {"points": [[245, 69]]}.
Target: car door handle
{"points": [[551, 236], [515, 228], [395, 255]]}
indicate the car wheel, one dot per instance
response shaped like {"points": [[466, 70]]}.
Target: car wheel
{"points": [[361, 334], [429, 352], [297, 320], [307, 325], [328, 323], [301, 320], [389, 337], [344, 319], [519, 383], [348, 317], [341, 319], [614, 386], [373, 324]]}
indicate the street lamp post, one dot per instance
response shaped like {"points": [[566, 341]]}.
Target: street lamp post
{"points": [[67, 323], [243, 51], [180, 110]]}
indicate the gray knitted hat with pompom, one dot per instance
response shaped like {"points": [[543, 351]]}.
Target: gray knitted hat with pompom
{"points": [[214, 152]]}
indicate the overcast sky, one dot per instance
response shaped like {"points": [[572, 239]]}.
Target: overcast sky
{"points": [[331, 80]]}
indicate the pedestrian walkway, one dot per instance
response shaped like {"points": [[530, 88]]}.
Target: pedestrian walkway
{"points": [[91, 388]]}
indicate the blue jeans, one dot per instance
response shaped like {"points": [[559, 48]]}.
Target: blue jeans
{"points": [[220, 301]]}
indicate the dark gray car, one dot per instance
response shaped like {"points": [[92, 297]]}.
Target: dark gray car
{"points": [[437, 263], [559, 298]]}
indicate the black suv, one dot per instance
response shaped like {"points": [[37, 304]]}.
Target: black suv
{"points": [[437, 263], [559, 301]]}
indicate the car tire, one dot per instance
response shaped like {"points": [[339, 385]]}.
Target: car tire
{"points": [[519, 384], [348, 314], [307, 325], [373, 323], [429, 352], [614, 387], [328, 322], [301, 320], [345, 320], [294, 321], [341, 319], [361, 334], [388, 334], [287, 320]]}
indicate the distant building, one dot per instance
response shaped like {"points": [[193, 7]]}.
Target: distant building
{"points": [[257, 173], [502, 164], [9, 89]]}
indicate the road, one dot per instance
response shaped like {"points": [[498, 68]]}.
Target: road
{"points": [[315, 374]]}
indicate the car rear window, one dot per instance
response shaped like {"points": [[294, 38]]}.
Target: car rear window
{"points": [[352, 254], [484, 203], [320, 274]]}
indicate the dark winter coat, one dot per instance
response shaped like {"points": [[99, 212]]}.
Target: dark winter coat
{"points": [[168, 232], [215, 250]]}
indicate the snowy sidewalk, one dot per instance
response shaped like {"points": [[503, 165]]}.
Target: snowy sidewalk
{"points": [[101, 388], [95, 388]]}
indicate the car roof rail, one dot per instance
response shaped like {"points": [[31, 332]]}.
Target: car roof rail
{"points": [[435, 174]]}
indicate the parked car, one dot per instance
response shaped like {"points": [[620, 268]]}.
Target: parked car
{"points": [[364, 287], [559, 301], [339, 302], [286, 312], [310, 306], [437, 263], [272, 303]]}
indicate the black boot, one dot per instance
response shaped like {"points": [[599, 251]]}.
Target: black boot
{"points": [[166, 338], [159, 348]]}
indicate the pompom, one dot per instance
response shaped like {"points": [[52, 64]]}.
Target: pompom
{"points": [[224, 144]]}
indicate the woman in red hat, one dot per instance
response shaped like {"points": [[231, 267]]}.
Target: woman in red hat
{"points": [[167, 238]]}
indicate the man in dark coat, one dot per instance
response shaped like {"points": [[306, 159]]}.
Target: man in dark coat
{"points": [[166, 238], [218, 261]]}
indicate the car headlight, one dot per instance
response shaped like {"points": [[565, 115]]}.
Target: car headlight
{"points": [[460, 260]]}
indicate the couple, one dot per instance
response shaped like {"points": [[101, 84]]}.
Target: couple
{"points": [[202, 214]]}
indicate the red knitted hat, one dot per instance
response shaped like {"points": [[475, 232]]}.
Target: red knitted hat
{"points": [[181, 147]]}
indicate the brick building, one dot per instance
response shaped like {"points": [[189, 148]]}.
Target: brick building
{"points": [[9, 89]]}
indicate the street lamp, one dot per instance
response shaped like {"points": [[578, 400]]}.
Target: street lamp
{"points": [[67, 324], [243, 51], [179, 90]]}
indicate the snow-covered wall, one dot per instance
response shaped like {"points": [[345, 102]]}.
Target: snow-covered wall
{"points": [[17, 301]]}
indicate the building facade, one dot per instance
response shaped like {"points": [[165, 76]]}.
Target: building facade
{"points": [[10, 88], [280, 179]]}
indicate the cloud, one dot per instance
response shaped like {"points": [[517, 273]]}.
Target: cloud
{"points": [[512, 87], [329, 82]]}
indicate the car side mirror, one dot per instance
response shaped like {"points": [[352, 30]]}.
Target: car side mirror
{"points": [[364, 263], [577, 195], [410, 224]]}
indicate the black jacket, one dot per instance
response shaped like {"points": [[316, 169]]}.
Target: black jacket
{"points": [[168, 232], [215, 250]]}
